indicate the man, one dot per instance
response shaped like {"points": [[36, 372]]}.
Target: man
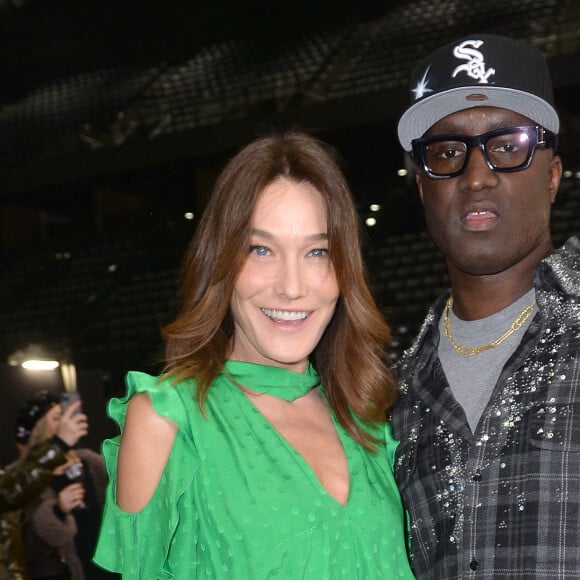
{"points": [[29, 476], [489, 409]]}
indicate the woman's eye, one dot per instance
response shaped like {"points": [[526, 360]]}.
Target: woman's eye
{"points": [[319, 252], [259, 250]]}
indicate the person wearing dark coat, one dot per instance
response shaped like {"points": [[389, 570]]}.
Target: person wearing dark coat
{"points": [[25, 479]]}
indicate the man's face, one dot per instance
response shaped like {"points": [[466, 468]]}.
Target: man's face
{"points": [[485, 222]]}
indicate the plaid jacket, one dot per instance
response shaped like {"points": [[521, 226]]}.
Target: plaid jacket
{"points": [[503, 502]]}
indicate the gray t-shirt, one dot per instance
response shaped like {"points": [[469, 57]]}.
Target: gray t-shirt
{"points": [[472, 378]]}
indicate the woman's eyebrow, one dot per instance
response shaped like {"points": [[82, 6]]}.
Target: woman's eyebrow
{"points": [[269, 236]]}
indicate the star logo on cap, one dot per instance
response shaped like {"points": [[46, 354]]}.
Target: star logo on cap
{"points": [[421, 88]]}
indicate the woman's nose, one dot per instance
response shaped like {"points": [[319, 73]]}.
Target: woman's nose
{"points": [[291, 280]]}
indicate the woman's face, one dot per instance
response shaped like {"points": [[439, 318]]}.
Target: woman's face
{"points": [[286, 291], [50, 422]]}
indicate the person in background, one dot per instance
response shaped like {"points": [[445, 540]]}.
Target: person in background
{"points": [[263, 449], [25, 479], [489, 408], [61, 523]]}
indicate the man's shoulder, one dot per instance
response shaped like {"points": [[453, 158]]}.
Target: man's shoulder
{"points": [[558, 279], [424, 343]]}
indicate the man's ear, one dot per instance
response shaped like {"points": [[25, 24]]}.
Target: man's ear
{"points": [[419, 183], [555, 176]]}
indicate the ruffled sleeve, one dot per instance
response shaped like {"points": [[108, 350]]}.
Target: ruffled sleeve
{"points": [[137, 544]]}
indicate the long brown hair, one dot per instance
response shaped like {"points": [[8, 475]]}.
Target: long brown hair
{"points": [[350, 357]]}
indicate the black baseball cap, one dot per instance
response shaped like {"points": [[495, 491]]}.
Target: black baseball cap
{"points": [[31, 412], [479, 70]]}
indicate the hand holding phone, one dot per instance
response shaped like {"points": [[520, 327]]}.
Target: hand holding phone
{"points": [[68, 398], [71, 497], [73, 422]]}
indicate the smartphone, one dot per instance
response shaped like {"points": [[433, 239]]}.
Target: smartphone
{"points": [[66, 399]]}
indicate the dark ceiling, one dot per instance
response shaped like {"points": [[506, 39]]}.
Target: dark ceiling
{"points": [[107, 94], [116, 115], [42, 40]]}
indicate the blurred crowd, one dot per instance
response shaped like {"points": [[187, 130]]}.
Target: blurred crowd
{"points": [[51, 496]]}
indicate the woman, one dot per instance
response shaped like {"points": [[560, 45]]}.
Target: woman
{"points": [[61, 523], [28, 476], [261, 451]]}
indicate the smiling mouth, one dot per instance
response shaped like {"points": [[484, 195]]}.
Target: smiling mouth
{"points": [[285, 315]]}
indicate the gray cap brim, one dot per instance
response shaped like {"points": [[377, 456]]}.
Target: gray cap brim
{"points": [[421, 116]]}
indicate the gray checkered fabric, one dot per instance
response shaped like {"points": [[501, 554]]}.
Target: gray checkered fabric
{"points": [[504, 501]]}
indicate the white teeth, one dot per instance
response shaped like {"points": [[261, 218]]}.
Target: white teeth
{"points": [[285, 314]]}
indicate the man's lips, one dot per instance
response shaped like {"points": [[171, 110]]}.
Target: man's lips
{"points": [[480, 219], [480, 215]]}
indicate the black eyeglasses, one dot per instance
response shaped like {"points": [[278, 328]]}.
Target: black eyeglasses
{"points": [[504, 150]]}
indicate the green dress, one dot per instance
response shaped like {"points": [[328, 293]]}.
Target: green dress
{"points": [[237, 501]]}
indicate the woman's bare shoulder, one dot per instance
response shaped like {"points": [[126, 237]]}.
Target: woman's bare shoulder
{"points": [[146, 443]]}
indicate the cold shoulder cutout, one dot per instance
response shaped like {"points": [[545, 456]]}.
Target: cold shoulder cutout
{"points": [[143, 453]]}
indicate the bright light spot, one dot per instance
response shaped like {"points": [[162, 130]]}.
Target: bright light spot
{"points": [[577, 175], [112, 268], [371, 222], [568, 173], [402, 172], [189, 215], [374, 207], [40, 365]]}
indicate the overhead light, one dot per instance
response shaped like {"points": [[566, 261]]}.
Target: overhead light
{"points": [[34, 357], [371, 221], [375, 207], [40, 365], [402, 172]]}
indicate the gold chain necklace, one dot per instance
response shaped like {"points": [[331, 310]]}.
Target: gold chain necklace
{"points": [[473, 350]]}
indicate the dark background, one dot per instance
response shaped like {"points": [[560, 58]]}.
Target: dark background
{"points": [[116, 116]]}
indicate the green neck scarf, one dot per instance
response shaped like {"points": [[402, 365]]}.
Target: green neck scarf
{"points": [[276, 381]]}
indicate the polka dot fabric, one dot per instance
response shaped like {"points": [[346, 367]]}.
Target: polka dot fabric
{"points": [[237, 501]]}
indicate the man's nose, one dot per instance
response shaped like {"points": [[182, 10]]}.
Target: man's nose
{"points": [[477, 173]]}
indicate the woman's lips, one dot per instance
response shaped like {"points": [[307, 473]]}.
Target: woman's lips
{"points": [[286, 316]]}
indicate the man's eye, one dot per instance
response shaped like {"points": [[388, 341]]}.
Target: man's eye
{"points": [[444, 151], [450, 153], [508, 144], [506, 148]]}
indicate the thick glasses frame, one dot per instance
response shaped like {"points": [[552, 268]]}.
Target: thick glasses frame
{"points": [[538, 136]]}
